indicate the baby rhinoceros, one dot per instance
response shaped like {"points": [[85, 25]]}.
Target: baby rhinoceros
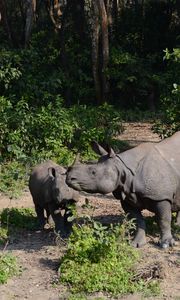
{"points": [[50, 193]]}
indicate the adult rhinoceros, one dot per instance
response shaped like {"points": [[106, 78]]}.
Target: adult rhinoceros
{"points": [[145, 177]]}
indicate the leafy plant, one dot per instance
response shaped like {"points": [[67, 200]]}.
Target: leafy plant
{"points": [[53, 130], [13, 178], [132, 79], [100, 259], [170, 102], [3, 234], [8, 267]]}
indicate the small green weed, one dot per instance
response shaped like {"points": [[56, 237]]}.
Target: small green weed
{"points": [[3, 234], [100, 259], [19, 217], [8, 267]]}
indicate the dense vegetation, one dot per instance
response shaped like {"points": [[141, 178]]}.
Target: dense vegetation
{"points": [[99, 258], [71, 71], [60, 58]]}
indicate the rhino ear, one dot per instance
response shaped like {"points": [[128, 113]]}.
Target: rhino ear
{"points": [[111, 152], [98, 149], [52, 173]]}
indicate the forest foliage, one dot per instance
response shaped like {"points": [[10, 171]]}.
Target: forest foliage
{"points": [[69, 70]]}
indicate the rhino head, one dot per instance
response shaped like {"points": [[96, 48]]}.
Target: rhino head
{"points": [[59, 189], [101, 176]]}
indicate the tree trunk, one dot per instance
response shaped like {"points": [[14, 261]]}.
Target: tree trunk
{"points": [[95, 50], [64, 57], [100, 49], [55, 13], [104, 47], [30, 6], [4, 20]]}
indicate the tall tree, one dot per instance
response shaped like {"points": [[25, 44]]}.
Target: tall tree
{"points": [[100, 48], [55, 12], [95, 50], [103, 9], [5, 21], [30, 9]]}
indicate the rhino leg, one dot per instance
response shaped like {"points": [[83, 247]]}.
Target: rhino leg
{"points": [[68, 224], [135, 213], [164, 216], [178, 218], [40, 215], [48, 213], [58, 219]]}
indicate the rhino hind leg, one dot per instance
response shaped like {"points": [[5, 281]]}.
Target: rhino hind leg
{"points": [[164, 216], [40, 215], [177, 218], [135, 213]]}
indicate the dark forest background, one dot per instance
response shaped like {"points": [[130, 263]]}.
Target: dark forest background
{"points": [[72, 70]]}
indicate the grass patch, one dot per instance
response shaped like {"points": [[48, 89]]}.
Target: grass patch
{"points": [[8, 267], [19, 217], [100, 259], [3, 234]]}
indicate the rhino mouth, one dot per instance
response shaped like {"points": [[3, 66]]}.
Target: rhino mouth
{"points": [[79, 186], [73, 184]]}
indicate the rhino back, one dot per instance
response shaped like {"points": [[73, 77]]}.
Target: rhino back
{"points": [[132, 157], [170, 150], [156, 179]]}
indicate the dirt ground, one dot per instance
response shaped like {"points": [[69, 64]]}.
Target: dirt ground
{"points": [[38, 252]]}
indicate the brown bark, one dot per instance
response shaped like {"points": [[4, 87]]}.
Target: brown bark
{"points": [[55, 13], [4, 20], [64, 57], [95, 50], [30, 6], [105, 48]]}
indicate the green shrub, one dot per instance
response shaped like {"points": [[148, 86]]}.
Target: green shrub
{"points": [[3, 234], [100, 259], [170, 101], [95, 123], [53, 130], [132, 79], [13, 178], [8, 267]]}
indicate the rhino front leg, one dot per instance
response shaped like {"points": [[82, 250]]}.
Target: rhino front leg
{"points": [[40, 215], [164, 216], [58, 219], [135, 213]]}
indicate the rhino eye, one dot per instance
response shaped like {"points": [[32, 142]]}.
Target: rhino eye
{"points": [[93, 172]]}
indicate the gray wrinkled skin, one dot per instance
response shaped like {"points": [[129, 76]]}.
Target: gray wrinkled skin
{"points": [[145, 177], [50, 193]]}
